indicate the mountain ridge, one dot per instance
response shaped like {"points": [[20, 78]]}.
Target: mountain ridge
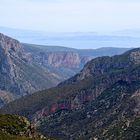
{"points": [[27, 68], [100, 95], [66, 62]]}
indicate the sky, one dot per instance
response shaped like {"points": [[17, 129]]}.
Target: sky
{"points": [[70, 15]]}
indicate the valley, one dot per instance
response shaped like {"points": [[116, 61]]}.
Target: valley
{"points": [[104, 94], [26, 68], [70, 70]]}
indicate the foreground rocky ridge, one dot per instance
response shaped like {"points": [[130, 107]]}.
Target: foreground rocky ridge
{"points": [[14, 127], [104, 94]]}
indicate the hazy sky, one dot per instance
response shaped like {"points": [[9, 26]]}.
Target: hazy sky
{"points": [[70, 15]]}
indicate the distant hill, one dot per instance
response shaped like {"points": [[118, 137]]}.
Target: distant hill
{"points": [[83, 40], [100, 102]]}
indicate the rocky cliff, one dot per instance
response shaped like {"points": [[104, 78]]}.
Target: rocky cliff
{"points": [[61, 59]]}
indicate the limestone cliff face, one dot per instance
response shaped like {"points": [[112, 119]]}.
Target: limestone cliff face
{"points": [[64, 59], [69, 60]]}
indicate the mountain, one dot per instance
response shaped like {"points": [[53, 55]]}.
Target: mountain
{"points": [[74, 39], [27, 68], [66, 62], [18, 75], [100, 102]]}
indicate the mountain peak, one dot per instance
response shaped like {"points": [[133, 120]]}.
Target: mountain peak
{"points": [[9, 43]]}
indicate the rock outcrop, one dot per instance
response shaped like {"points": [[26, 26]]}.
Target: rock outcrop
{"points": [[60, 59]]}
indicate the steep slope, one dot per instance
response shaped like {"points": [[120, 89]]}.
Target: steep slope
{"points": [[18, 74], [26, 68], [89, 105]]}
